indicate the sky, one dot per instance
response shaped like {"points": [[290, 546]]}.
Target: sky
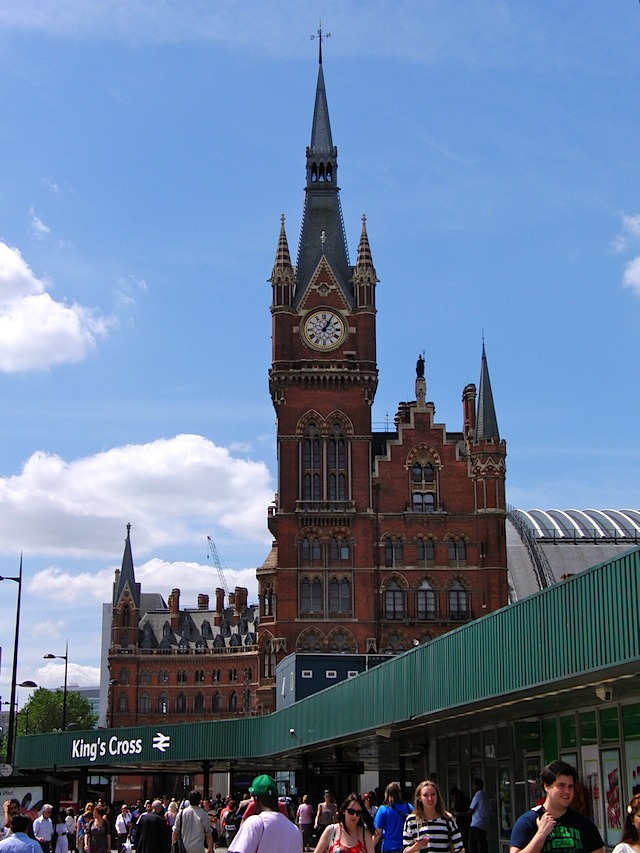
{"points": [[148, 150]]}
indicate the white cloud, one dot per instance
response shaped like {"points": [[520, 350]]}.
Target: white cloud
{"points": [[51, 675], [38, 228], [171, 490], [631, 277], [36, 332]]}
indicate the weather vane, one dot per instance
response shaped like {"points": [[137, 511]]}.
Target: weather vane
{"points": [[320, 35]]}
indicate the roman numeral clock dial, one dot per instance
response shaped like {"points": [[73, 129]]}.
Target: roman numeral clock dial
{"points": [[324, 330]]}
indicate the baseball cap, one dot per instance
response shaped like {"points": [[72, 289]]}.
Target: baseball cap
{"points": [[264, 786]]}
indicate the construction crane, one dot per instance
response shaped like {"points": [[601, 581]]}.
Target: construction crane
{"points": [[218, 564]]}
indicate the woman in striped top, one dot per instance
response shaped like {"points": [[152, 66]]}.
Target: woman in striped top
{"points": [[431, 827]]}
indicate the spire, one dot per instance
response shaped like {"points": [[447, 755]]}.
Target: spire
{"points": [[322, 209], [364, 261], [283, 258], [486, 423], [127, 575]]}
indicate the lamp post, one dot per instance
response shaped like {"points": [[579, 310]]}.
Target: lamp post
{"points": [[14, 670], [65, 658]]}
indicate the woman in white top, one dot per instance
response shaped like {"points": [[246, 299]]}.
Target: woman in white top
{"points": [[630, 841]]}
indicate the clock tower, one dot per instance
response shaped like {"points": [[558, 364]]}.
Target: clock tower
{"points": [[359, 515]]}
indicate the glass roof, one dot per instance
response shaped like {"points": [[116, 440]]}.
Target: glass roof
{"points": [[577, 524]]}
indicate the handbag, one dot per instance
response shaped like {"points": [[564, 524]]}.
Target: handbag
{"points": [[178, 845]]}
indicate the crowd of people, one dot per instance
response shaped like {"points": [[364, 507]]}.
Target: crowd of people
{"points": [[261, 821]]}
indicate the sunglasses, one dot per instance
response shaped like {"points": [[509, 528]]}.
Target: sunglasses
{"points": [[354, 812]]}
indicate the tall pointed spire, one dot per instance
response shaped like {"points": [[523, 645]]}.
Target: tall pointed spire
{"points": [[364, 260], [283, 258], [126, 576], [322, 209], [486, 422]]}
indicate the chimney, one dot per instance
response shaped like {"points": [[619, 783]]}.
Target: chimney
{"points": [[469, 410], [174, 609], [219, 601], [203, 601], [241, 600]]}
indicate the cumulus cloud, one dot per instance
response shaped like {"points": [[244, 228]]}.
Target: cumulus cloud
{"points": [[628, 240], [170, 490], [36, 332]]}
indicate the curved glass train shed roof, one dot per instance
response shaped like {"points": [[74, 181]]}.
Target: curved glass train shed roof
{"points": [[576, 524]]}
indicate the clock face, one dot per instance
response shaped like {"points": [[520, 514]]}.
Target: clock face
{"points": [[324, 329]]}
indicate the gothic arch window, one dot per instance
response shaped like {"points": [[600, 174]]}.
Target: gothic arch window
{"points": [[225, 628], [339, 551], [310, 551], [341, 643], [124, 677], [125, 619], [393, 601], [458, 604], [166, 630], [339, 596], [425, 552], [393, 554], [144, 677], [310, 642], [163, 704], [215, 703], [425, 602], [181, 676], [233, 701], [314, 172], [163, 676], [181, 704], [198, 704], [457, 552], [311, 464], [147, 637], [144, 703], [311, 595], [267, 601], [329, 172], [267, 660], [324, 462], [123, 704], [337, 463], [423, 480], [393, 645], [206, 631]]}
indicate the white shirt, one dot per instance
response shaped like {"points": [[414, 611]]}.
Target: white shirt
{"points": [[267, 832]]}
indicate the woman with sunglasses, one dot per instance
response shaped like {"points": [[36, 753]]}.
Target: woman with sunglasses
{"points": [[431, 827], [353, 831]]}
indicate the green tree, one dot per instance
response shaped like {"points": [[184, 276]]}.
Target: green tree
{"points": [[43, 712]]}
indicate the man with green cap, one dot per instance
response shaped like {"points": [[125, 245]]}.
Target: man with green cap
{"points": [[266, 830]]}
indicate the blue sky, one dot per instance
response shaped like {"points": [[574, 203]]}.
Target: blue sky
{"points": [[148, 151]]}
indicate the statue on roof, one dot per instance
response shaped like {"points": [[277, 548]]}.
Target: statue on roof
{"points": [[420, 367]]}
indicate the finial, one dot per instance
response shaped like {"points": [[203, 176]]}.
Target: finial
{"points": [[128, 528], [364, 219], [282, 219], [320, 35]]}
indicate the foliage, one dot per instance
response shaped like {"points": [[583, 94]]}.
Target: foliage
{"points": [[43, 712]]}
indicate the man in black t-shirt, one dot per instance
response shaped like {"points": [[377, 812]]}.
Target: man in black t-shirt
{"points": [[554, 827]]}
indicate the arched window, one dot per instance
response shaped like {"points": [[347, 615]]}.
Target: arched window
{"points": [[392, 552], [124, 677], [233, 701], [126, 617], [215, 703], [457, 552], [423, 487], [310, 643], [339, 551], [311, 465], [181, 704], [425, 552], [206, 631], [457, 594], [394, 645], [163, 704], [310, 551], [339, 596], [268, 663], [144, 677], [267, 601], [339, 644], [198, 704], [337, 464], [144, 703], [311, 595], [425, 602], [163, 676], [394, 600]]}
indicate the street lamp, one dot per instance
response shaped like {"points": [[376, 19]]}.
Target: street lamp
{"points": [[14, 670], [65, 658]]}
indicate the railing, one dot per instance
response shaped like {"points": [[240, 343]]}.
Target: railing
{"points": [[541, 567]]}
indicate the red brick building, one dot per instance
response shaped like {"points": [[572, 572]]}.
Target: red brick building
{"points": [[381, 539]]}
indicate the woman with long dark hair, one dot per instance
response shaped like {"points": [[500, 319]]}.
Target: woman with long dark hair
{"points": [[352, 832], [630, 841]]}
